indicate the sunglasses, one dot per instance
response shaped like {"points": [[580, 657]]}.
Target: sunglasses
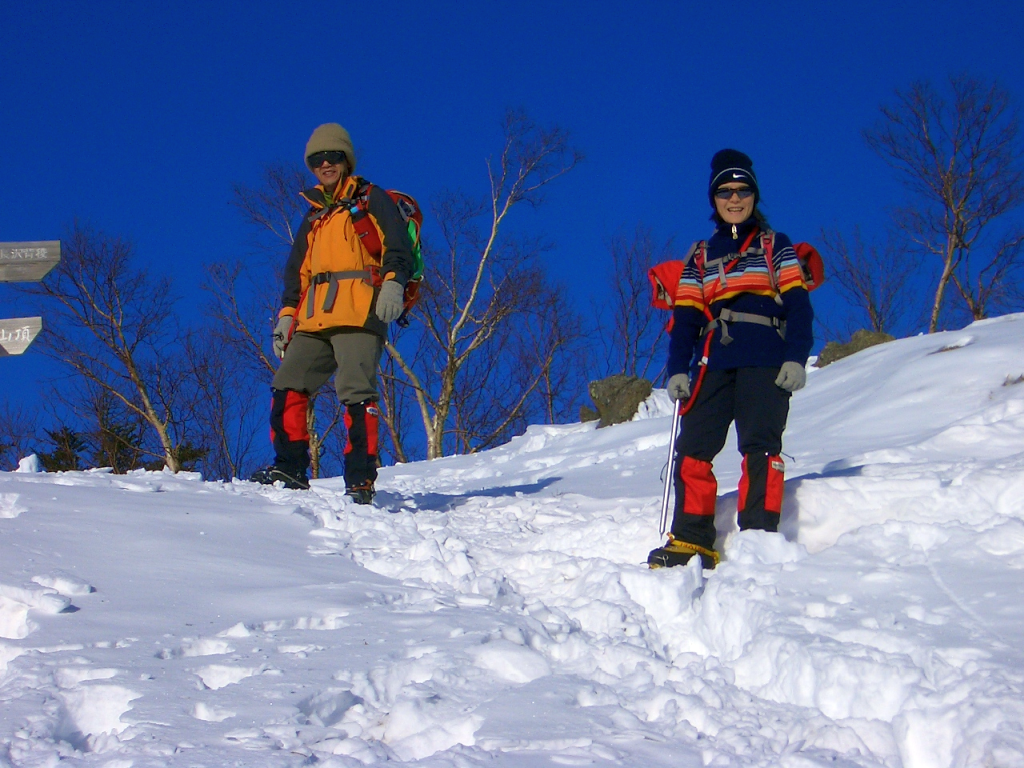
{"points": [[726, 194], [333, 157]]}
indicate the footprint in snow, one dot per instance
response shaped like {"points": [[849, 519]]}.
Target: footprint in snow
{"points": [[218, 676], [64, 583], [201, 646], [15, 604], [9, 506]]}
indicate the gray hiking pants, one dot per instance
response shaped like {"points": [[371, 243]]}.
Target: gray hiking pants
{"points": [[311, 358]]}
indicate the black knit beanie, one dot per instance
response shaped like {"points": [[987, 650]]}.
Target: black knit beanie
{"points": [[731, 165]]}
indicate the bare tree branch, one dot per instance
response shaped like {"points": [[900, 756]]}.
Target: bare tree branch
{"points": [[871, 278], [961, 157], [19, 428], [633, 331], [274, 206]]}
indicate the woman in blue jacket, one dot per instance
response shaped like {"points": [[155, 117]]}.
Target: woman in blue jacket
{"points": [[742, 320]]}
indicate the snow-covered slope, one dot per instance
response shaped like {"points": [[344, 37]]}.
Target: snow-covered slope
{"points": [[494, 609]]}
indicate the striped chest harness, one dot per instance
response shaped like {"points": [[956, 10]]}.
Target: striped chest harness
{"points": [[723, 265]]}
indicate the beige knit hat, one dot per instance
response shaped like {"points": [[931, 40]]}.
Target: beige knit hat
{"points": [[331, 137]]}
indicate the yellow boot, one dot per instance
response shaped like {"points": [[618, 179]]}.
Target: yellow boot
{"points": [[677, 552]]}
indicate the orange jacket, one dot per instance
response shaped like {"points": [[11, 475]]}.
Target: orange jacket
{"points": [[330, 279]]}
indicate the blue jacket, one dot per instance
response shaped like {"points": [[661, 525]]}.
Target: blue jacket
{"points": [[747, 290]]}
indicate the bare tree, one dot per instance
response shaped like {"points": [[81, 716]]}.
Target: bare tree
{"points": [[872, 278], [229, 408], [243, 311], [113, 326], [245, 295], [554, 342], [324, 415], [118, 434], [961, 157], [997, 283], [631, 342], [504, 387], [19, 427], [395, 395], [480, 284]]}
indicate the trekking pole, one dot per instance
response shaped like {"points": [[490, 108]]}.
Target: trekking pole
{"points": [[676, 418]]}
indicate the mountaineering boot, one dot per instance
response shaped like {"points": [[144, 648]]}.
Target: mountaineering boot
{"points": [[289, 477], [677, 552], [362, 493]]}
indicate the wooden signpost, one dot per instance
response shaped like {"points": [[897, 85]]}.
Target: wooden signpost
{"points": [[24, 263]]}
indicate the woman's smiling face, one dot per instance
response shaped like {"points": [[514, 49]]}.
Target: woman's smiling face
{"points": [[734, 209]]}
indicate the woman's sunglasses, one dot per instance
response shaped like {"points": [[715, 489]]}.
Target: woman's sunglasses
{"points": [[726, 194]]}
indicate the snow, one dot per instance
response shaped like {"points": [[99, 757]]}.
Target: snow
{"points": [[495, 609]]}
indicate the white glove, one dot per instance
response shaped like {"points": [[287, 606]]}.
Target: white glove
{"points": [[792, 376], [390, 301], [282, 335], [679, 386]]}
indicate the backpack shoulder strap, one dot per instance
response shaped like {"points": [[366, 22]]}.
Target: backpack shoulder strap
{"points": [[768, 246], [697, 253], [359, 193], [358, 204]]}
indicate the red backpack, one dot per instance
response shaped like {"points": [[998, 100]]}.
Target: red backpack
{"points": [[811, 264], [362, 222]]}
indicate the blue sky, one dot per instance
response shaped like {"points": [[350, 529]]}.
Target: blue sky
{"points": [[139, 117]]}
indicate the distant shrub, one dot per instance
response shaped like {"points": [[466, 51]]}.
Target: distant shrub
{"points": [[617, 399], [861, 339]]}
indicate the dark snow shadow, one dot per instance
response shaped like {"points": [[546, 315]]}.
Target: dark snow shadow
{"points": [[442, 502], [837, 468]]}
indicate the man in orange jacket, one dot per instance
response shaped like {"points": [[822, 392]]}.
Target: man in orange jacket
{"points": [[337, 302]]}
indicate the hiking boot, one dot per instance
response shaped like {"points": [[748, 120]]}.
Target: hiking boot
{"points": [[269, 475], [677, 552], [362, 493]]}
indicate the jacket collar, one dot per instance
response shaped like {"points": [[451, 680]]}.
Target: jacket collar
{"points": [[317, 196], [742, 230]]}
